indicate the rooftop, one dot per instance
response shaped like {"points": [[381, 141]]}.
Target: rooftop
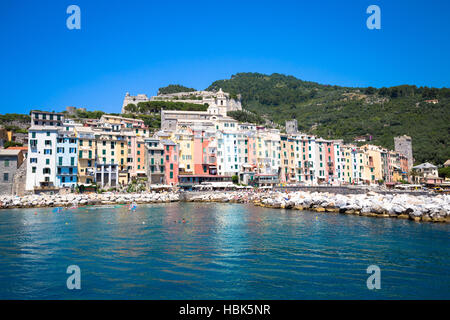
{"points": [[9, 152], [168, 142], [425, 165], [47, 112], [18, 148], [44, 128]]}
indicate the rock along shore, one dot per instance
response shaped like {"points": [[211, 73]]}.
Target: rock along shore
{"points": [[70, 200], [400, 206]]}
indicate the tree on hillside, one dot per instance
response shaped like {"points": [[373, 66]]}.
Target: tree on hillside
{"points": [[174, 88]]}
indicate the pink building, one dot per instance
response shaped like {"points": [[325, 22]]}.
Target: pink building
{"points": [[205, 159], [170, 162], [136, 156], [251, 143], [330, 172]]}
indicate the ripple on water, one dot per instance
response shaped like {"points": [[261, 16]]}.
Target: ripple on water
{"points": [[222, 251]]}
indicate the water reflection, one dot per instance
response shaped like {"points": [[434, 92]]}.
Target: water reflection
{"points": [[217, 251]]}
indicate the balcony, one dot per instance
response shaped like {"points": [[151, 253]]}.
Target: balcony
{"points": [[45, 185], [66, 174], [65, 165]]}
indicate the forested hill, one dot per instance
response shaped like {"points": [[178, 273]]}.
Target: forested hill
{"points": [[343, 112]]}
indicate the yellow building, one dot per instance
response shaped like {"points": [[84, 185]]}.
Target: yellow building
{"points": [[112, 163], [374, 168], [268, 151], [121, 152], [86, 155], [291, 162], [184, 137]]}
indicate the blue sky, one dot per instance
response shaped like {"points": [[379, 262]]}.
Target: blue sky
{"points": [[139, 46]]}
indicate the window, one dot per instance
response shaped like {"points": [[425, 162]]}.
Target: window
{"points": [[33, 169], [6, 163], [72, 161], [33, 135], [5, 176], [47, 151]]}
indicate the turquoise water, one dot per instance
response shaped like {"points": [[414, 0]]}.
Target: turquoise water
{"points": [[221, 251]]}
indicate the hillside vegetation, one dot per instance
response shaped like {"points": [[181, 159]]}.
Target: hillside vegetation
{"points": [[343, 113], [174, 88]]}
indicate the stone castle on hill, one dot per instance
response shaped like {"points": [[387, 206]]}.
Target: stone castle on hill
{"points": [[216, 100]]}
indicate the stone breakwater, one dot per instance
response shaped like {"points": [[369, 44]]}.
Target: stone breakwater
{"points": [[70, 200], [400, 206]]}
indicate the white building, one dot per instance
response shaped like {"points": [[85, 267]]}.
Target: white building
{"points": [[41, 162], [339, 161], [232, 152]]}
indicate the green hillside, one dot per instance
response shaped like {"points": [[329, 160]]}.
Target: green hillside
{"points": [[174, 88], [344, 113]]}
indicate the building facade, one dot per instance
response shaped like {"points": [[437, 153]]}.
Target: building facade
{"points": [[66, 159], [10, 161]]}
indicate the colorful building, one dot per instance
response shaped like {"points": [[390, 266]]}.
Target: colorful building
{"points": [[87, 154], [154, 161], [67, 159], [170, 162]]}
